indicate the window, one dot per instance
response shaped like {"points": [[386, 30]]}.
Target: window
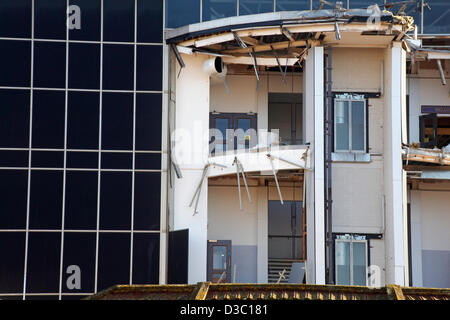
{"points": [[232, 131], [350, 124], [351, 262]]}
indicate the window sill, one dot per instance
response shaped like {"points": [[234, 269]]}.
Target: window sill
{"points": [[350, 157]]}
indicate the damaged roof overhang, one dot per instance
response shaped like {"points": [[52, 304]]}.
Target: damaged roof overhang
{"points": [[283, 34]]}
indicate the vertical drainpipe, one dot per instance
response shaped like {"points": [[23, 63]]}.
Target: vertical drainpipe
{"points": [[328, 127]]}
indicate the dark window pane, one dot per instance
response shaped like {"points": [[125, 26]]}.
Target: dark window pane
{"points": [[12, 253], [82, 160], [216, 9], [81, 200], [255, 6], [117, 121], [48, 119], [149, 68], [73, 297], [44, 250], [113, 260], [182, 12], [148, 121], [46, 199], [115, 201], [147, 199], [83, 120], [47, 159], [15, 119], [79, 260], [113, 160], [90, 20], [149, 21], [437, 20], [118, 67], [42, 297], [15, 18], [146, 258], [358, 4], [118, 20], [151, 161], [13, 158], [13, 199], [291, 5], [15, 63], [84, 66], [50, 19], [49, 64]]}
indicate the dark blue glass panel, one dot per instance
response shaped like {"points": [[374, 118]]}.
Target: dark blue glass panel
{"points": [[147, 199], [149, 68], [15, 297], [117, 121], [81, 200], [12, 253], [15, 119], [114, 160], [49, 64], [437, 20], [84, 66], [73, 297], [42, 297], [90, 20], [145, 258], [362, 4], [113, 260], [82, 160], [255, 6], [118, 20], [293, 5], [115, 201], [15, 63], [182, 12], [79, 251], [415, 12], [149, 21], [13, 158], [83, 120], [13, 199], [148, 121], [118, 67], [216, 9], [46, 199], [44, 251], [48, 119], [47, 159], [15, 18], [50, 19], [151, 161]]}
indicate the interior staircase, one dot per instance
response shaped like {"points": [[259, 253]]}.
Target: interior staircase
{"points": [[276, 266]]}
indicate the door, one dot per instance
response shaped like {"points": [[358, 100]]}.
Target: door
{"points": [[285, 115], [351, 262], [428, 130], [219, 261], [285, 230]]}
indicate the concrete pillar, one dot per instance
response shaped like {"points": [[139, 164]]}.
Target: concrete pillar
{"points": [[263, 242], [396, 268], [313, 105], [191, 152]]}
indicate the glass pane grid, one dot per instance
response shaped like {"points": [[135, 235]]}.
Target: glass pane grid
{"points": [[46, 159]]}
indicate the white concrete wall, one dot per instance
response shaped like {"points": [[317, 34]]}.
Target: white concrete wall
{"points": [[430, 238]]}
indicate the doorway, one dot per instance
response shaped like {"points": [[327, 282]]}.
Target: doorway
{"points": [[219, 261], [285, 115]]}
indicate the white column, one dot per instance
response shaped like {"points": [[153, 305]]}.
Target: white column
{"points": [[191, 151], [393, 180], [416, 238], [313, 133]]}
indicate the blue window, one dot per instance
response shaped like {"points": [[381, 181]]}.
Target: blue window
{"points": [[293, 5], [49, 64], [81, 200], [12, 257], [44, 251], [148, 121], [118, 67], [50, 19], [151, 161], [437, 20], [15, 119], [149, 68], [13, 199], [182, 12], [89, 21], [147, 198], [255, 6], [115, 201], [84, 66], [118, 20], [117, 160], [15, 18], [47, 159], [79, 160], [363, 4], [216, 9], [145, 259], [15, 63], [149, 21]]}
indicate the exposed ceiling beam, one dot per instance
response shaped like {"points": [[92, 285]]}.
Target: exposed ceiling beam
{"points": [[272, 46]]}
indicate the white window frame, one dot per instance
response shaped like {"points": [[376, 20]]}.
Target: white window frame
{"points": [[351, 241], [350, 100]]}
